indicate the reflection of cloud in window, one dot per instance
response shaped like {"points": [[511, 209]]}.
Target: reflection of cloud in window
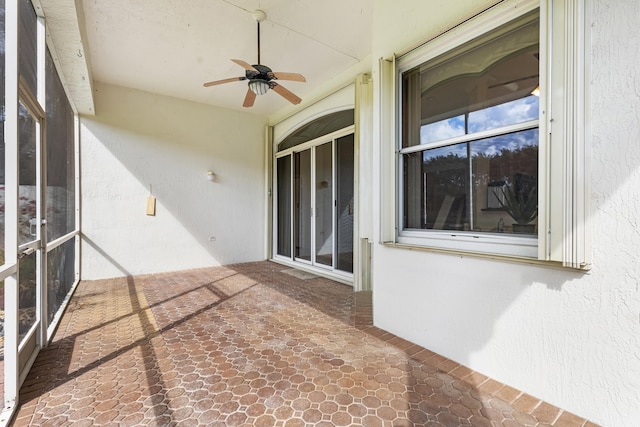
{"points": [[488, 147], [513, 112], [513, 141], [457, 150], [518, 111], [442, 130]]}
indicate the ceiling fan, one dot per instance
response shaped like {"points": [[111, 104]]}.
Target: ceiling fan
{"points": [[262, 78]]}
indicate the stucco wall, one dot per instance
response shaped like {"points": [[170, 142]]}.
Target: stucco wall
{"points": [[139, 141], [570, 338]]}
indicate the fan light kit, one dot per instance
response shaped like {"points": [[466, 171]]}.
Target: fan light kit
{"points": [[259, 87], [260, 77]]}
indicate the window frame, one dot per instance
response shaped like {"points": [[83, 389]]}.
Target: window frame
{"points": [[451, 44], [564, 181]]}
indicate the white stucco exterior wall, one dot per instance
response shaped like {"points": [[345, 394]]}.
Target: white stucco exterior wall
{"points": [[569, 338], [139, 141]]}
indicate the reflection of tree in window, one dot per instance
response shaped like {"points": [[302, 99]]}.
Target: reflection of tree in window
{"points": [[437, 181], [446, 179]]}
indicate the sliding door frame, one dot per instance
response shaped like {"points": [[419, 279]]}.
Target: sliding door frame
{"points": [[312, 265]]}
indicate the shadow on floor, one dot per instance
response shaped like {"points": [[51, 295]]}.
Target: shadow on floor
{"points": [[248, 345]]}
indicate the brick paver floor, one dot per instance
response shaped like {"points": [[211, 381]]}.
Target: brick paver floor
{"points": [[251, 345]]}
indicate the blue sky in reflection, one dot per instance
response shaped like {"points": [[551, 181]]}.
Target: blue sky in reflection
{"points": [[513, 112]]}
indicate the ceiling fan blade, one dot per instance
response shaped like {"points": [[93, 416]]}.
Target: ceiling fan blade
{"points": [[285, 93], [219, 82], [244, 65], [249, 98], [295, 77]]}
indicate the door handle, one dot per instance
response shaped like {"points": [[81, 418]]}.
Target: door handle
{"points": [[33, 223], [26, 252]]}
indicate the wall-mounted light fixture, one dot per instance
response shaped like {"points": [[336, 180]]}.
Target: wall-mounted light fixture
{"points": [[211, 176]]}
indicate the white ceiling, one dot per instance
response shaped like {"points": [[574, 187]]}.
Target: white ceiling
{"points": [[172, 47]]}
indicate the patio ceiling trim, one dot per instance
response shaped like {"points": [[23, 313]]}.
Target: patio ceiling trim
{"points": [[66, 39]]}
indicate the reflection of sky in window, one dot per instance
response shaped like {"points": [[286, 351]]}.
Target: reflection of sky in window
{"points": [[488, 146], [444, 129], [512, 112], [458, 150], [511, 142], [518, 111]]}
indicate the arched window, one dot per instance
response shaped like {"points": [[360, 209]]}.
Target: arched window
{"points": [[316, 128]]}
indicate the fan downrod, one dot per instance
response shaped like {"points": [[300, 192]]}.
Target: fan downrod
{"points": [[259, 16]]}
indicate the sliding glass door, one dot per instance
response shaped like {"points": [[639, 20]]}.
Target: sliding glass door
{"points": [[344, 203], [302, 203], [314, 206], [284, 207], [324, 197]]}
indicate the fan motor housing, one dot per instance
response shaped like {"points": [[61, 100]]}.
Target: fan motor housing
{"points": [[263, 73]]}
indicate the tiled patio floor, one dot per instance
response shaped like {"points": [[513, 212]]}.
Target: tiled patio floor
{"points": [[251, 345]]}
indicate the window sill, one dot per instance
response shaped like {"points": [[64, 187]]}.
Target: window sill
{"points": [[501, 244], [486, 256]]}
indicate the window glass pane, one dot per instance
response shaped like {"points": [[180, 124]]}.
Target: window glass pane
{"points": [[284, 206], [344, 195], [60, 275], [487, 86], [436, 185], [512, 112], [27, 57], [60, 157], [27, 199], [443, 129], [317, 128], [505, 177], [302, 211], [503, 174], [324, 204]]}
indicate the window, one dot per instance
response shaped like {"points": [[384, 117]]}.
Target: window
{"points": [[467, 121], [469, 139]]}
